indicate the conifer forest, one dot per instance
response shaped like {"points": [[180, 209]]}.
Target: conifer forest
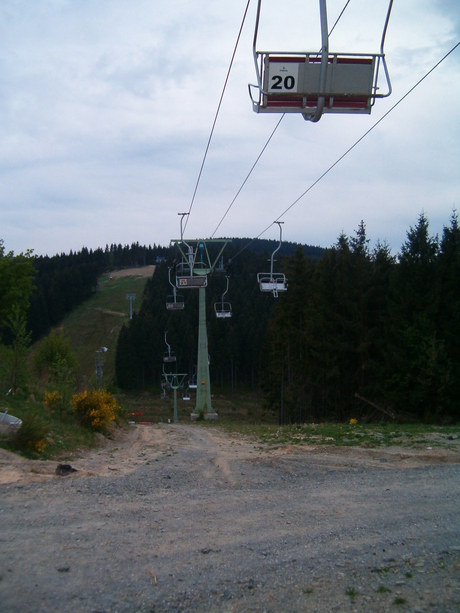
{"points": [[360, 332]]}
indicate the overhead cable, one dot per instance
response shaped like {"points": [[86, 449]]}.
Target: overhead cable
{"points": [[352, 147], [269, 139], [217, 114]]}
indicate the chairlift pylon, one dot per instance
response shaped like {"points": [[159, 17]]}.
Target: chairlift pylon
{"points": [[273, 282], [313, 83], [222, 309]]}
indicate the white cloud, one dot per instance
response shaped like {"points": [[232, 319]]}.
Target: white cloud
{"points": [[106, 109]]}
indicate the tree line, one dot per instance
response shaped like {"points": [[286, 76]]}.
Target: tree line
{"points": [[62, 282], [364, 333], [359, 333], [237, 346]]}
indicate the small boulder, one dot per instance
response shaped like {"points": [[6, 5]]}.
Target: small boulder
{"points": [[63, 470]]}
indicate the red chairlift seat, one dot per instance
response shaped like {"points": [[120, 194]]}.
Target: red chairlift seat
{"points": [[291, 83], [313, 83]]}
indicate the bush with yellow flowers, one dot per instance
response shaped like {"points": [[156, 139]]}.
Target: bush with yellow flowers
{"points": [[52, 399], [96, 409], [31, 436]]}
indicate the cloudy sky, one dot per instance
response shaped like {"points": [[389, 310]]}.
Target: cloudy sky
{"points": [[106, 107]]}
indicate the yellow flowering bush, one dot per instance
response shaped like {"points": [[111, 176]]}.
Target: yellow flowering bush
{"points": [[96, 408], [31, 436], [52, 399], [38, 446], [353, 422]]}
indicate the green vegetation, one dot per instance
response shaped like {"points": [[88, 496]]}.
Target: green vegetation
{"points": [[96, 409], [344, 435], [364, 334], [351, 592], [361, 351], [44, 434], [98, 321], [45, 378]]}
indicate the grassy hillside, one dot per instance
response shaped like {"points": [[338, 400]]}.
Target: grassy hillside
{"points": [[98, 321]]}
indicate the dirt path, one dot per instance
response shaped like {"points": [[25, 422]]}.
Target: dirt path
{"points": [[186, 518]]}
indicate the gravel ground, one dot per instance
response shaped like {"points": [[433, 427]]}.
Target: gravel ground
{"points": [[185, 518]]}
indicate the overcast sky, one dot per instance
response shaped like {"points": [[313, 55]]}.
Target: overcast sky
{"points": [[106, 107]]}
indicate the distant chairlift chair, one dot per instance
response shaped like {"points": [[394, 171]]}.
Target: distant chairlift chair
{"points": [[273, 282], [223, 309], [174, 302]]}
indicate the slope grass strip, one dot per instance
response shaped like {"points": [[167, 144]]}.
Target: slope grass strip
{"points": [[351, 435]]}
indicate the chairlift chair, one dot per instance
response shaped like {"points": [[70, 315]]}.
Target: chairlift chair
{"points": [[223, 309], [168, 356], [192, 384], [164, 387], [174, 302], [313, 83], [273, 282], [191, 273]]}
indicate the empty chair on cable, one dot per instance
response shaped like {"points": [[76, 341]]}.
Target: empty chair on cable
{"points": [[191, 275], [313, 83], [169, 356], [174, 302], [273, 282], [223, 309]]}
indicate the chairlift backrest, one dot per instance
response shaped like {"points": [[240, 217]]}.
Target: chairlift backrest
{"points": [[313, 83]]}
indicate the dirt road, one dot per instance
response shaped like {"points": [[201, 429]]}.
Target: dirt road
{"points": [[186, 518]]}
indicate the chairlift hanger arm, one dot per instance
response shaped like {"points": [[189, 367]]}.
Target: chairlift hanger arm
{"points": [[279, 246]]}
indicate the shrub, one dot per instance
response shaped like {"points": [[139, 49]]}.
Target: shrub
{"points": [[51, 352], [52, 399], [31, 436], [96, 409], [62, 385]]}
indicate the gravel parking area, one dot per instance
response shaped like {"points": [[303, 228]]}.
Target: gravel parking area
{"points": [[187, 518]]}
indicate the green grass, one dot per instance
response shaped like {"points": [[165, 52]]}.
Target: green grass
{"points": [[98, 321], [344, 435]]}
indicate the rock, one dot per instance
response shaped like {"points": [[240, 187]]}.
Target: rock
{"points": [[63, 470]]}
